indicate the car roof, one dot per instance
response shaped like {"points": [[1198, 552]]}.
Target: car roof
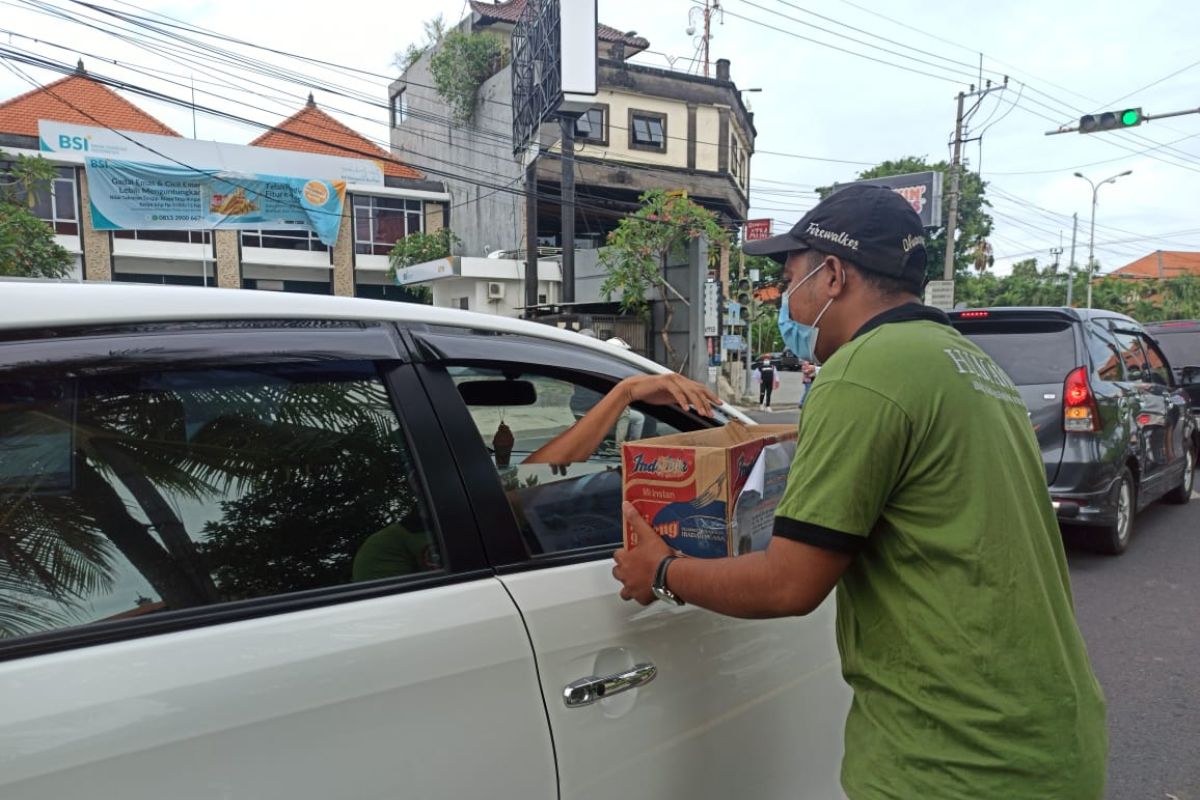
{"points": [[54, 304], [1181, 325], [1042, 312]]}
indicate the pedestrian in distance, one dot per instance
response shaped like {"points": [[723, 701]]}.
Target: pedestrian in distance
{"points": [[917, 491], [768, 382]]}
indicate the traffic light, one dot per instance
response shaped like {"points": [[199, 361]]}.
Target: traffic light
{"points": [[1111, 120], [743, 291]]}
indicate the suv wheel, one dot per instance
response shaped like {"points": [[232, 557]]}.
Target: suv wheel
{"points": [[1114, 538], [1183, 492]]}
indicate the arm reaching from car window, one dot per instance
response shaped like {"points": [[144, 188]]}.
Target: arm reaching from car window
{"points": [[580, 441]]}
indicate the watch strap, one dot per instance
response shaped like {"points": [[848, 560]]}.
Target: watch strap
{"points": [[660, 581]]}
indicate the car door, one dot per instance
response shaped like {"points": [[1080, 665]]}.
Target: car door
{"points": [[732, 708], [237, 562], [1153, 415], [1175, 433]]}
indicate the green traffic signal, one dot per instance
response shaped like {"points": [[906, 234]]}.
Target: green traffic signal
{"points": [[1111, 120]]}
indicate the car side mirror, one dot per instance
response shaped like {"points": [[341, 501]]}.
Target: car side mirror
{"points": [[1190, 374], [498, 393]]}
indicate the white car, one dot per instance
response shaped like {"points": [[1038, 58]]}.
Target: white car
{"points": [[256, 545]]}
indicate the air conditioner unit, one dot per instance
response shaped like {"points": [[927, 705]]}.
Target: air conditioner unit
{"points": [[495, 290]]}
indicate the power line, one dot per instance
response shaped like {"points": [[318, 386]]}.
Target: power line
{"points": [[311, 82]]}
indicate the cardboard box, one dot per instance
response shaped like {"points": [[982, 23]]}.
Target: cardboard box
{"points": [[709, 493]]}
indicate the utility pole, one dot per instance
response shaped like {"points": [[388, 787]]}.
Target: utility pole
{"points": [[955, 169], [568, 207], [1071, 264], [531, 245], [960, 121]]}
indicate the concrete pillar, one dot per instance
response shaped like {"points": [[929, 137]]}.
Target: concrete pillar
{"points": [[229, 262], [435, 217], [97, 245], [343, 255]]}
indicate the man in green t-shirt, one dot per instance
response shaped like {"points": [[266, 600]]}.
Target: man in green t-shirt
{"points": [[918, 490]]}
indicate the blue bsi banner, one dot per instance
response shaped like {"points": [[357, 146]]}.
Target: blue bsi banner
{"points": [[127, 195]]}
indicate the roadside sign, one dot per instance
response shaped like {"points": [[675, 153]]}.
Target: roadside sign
{"points": [[711, 308], [940, 294], [757, 229], [731, 341]]}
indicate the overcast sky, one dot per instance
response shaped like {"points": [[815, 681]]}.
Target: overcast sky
{"points": [[1062, 58]]}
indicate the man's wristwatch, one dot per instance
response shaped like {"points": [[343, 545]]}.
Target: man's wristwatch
{"points": [[659, 587]]}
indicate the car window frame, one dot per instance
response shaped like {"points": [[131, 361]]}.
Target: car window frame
{"points": [[501, 535], [1094, 330], [283, 342], [1149, 345]]}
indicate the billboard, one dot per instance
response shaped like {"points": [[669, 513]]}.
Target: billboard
{"points": [[923, 190], [146, 148], [757, 229], [127, 195]]}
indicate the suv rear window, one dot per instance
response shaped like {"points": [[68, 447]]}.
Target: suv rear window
{"points": [[1182, 346], [1030, 352]]}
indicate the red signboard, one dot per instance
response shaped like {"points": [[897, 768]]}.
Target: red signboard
{"points": [[757, 229]]}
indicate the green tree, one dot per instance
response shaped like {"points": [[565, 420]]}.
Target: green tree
{"points": [[641, 245], [974, 223], [27, 245], [462, 62], [434, 32]]}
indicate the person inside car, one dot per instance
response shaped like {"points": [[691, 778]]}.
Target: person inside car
{"points": [[918, 491], [405, 546]]}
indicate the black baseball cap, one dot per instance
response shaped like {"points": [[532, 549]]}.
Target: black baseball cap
{"points": [[870, 226]]}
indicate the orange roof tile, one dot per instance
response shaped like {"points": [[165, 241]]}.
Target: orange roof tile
{"points": [[311, 130], [1175, 263], [67, 99]]}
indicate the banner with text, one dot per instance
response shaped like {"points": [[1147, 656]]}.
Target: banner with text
{"points": [[923, 190], [126, 195]]}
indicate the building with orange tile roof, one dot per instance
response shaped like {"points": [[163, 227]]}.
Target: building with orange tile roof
{"points": [[311, 130], [1161, 265], [376, 216]]}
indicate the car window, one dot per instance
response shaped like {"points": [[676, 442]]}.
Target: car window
{"points": [[1156, 365], [1182, 347], [1133, 356], [127, 494], [1105, 353], [557, 508], [1031, 352]]}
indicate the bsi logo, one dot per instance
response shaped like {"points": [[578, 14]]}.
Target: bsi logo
{"points": [[73, 142]]}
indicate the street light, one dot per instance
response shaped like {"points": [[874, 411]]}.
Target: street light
{"points": [[1092, 238]]}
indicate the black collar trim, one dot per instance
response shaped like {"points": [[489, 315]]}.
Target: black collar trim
{"points": [[903, 313]]}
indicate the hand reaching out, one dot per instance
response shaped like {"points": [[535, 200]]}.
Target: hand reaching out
{"points": [[670, 389]]}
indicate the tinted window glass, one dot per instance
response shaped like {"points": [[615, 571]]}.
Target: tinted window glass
{"points": [[1182, 348], [1031, 353], [558, 507], [126, 495], [1136, 367], [1106, 358], [1156, 367]]}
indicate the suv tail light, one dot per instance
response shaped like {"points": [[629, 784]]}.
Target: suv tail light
{"points": [[1080, 414]]}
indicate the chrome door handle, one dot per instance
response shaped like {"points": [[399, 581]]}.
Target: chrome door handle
{"points": [[586, 691]]}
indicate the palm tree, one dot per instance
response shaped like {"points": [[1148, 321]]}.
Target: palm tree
{"points": [[279, 445]]}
